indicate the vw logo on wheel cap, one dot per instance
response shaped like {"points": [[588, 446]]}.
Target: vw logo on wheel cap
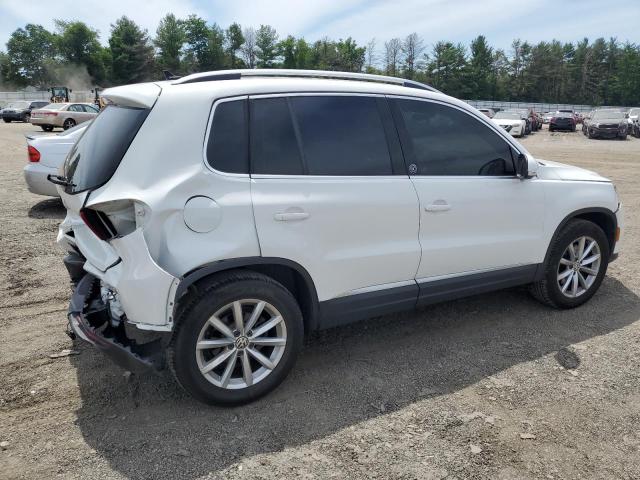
{"points": [[242, 342]]}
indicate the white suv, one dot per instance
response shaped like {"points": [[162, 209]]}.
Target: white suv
{"points": [[215, 219]]}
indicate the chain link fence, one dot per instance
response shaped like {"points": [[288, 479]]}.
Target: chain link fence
{"points": [[75, 96], [537, 107]]}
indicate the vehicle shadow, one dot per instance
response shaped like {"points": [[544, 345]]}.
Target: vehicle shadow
{"points": [[146, 427], [50, 208]]}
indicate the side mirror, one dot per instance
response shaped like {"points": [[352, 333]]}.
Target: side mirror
{"points": [[522, 167]]}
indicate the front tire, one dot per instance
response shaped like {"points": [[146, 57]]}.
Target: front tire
{"points": [[68, 123], [237, 338], [575, 266]]}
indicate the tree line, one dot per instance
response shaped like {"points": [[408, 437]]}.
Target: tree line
{"points": [[601, 72]]}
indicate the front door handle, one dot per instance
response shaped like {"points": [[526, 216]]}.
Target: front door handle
{"points": [[438, 206], [290, 216]]}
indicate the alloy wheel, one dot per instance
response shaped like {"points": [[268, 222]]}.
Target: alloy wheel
{"points": [[241, 344], [579, 266]]}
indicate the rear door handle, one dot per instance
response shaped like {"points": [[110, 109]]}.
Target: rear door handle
{"points": [[438, 206], [290, 216]]}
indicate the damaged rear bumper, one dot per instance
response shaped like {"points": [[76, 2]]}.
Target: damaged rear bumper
{"points": [[90, 320]]}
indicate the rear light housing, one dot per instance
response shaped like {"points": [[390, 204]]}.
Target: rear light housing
{"points": [[34, 154], [98, 223]]}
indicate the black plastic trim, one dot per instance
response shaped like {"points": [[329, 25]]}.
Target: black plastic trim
{"points": [[606, 211], [203, 271], [475, 283], [74, 263], [345, 310]]}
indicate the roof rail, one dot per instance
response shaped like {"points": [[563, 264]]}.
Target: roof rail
{"points": [[275, 72]]}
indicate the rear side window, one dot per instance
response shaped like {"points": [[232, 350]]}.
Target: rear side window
{"points": [[442, 140], [274, 146], [227, 146], [95, 157], [341, 135]]}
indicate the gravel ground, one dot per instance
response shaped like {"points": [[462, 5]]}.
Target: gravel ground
{"points": [[477, 388]]}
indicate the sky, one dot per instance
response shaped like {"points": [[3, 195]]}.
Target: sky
{"points": [[457, 21]]}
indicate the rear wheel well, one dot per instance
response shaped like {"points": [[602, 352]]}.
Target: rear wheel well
{"points": [[289, 277]]}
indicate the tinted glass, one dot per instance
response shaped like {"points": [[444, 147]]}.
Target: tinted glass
{"points": [[274, 147], [341, 135], [76, 108], [38, 104], [90, 109], [442, 140], [96, 156], [227, 147]]}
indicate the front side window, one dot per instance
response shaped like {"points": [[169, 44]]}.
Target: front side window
{"points": [[227, 146], [442, 140]]}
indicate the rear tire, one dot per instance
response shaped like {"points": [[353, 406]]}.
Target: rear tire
{"points": [[6, 120], [240, 375], [47, 128], [568, 281]]}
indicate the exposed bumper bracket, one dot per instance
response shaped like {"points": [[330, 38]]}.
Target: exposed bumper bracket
{"points": [[89, 320]]}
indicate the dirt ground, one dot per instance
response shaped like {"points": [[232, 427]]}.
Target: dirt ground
{"points": [[467, 389]]}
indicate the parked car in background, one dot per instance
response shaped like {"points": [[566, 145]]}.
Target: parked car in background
{"points": [[585, 122], [608, 123], [636, 129], [20, 111], [63, 115], [46, 155], [562, 121], [489, 112], [512, 122], [546, 118], [632, 117]]}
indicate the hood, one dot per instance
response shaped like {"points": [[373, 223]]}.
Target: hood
{"points": [[549, 170], [507, 121]]}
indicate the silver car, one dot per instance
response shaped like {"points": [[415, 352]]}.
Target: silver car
{"points": [[65, 115], [46, 154]]}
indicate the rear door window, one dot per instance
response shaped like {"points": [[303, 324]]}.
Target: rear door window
{"points": [[95, 157], [341, 135], [227, 146], [274, 145]]}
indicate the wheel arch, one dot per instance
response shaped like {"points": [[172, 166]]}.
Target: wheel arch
{"points": [[603, 217], [293, 276]]}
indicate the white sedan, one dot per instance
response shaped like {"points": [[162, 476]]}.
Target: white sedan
{"points": [[512, 122], [46, 155]]}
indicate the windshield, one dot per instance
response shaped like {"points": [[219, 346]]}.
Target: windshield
{"points": [[634, 112], [563, 115], [19, 105], [507, 116], [96, 156], [608, 115]]}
